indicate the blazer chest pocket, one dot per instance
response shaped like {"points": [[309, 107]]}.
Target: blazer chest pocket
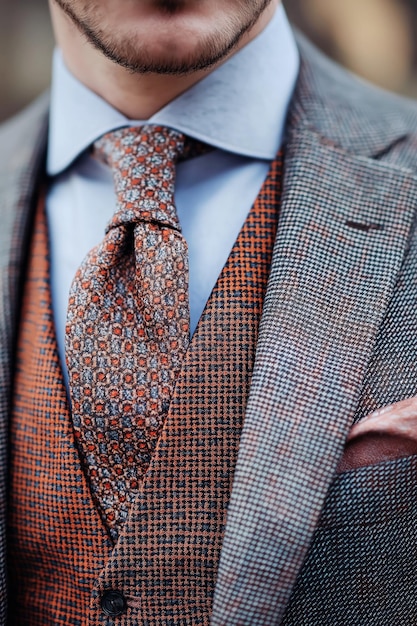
{"points": [[361, 567]]}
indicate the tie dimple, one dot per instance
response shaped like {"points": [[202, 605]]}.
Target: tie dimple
{"points": [[128, 320]]}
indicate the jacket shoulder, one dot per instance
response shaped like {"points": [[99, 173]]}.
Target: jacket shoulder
{"points": [[22, 151], [23, 134]]}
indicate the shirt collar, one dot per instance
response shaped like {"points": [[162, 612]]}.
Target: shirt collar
{"points": [[262, 75]]}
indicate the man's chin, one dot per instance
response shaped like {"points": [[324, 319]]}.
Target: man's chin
{"points": [[177, 55], [170, 37]]}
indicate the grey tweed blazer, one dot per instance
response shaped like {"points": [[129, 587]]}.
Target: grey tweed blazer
{"points": [[338, 338]]}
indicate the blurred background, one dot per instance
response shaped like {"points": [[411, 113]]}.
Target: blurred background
{"points": [[374, 38]]}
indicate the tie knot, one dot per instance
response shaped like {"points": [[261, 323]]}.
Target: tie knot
{"points": [[143, 162], [148, 144]]}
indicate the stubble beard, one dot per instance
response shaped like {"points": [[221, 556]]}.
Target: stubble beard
{"points": [[127, 52]]}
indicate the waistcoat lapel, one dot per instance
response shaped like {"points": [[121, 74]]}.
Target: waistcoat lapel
{"points": [[342, 234], [22, 145]]}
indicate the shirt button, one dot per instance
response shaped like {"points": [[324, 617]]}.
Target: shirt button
{"points": [[113, 603]]}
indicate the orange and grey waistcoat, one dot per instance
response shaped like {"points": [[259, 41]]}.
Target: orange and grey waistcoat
{"points": [[63, 567]]}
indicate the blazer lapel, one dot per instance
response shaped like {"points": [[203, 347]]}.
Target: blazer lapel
{"points": [[22, 144], [342, 233]]}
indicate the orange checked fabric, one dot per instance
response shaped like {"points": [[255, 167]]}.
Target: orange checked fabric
{"points": [[128, 319]]}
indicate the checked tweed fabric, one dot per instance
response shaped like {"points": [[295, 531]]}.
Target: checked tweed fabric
{"points": [[128, 319], [56, 539]]}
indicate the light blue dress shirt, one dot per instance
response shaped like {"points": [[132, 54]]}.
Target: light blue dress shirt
{"points": [[239, 109]]}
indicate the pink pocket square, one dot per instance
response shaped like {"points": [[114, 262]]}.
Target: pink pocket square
{"points": [[387, 434]]}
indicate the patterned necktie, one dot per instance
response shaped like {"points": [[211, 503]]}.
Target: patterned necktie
{"points": [[128, 320]]}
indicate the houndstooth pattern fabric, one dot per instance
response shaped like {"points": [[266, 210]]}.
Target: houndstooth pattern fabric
{"points": [[327, 296], [366, 538], [128, 319], [345, 225], [360, 568]]}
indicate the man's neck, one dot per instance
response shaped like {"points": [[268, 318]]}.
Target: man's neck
{"points": [[137, 96]]}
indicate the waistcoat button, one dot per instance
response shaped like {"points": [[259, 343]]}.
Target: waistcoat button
{"points": [[113, 603]]}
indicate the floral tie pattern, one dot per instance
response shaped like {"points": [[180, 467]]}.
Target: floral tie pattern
{"points": [[128, 320]]}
